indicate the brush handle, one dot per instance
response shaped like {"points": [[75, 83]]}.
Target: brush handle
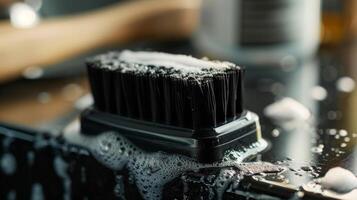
{"points": [[58, 39]]}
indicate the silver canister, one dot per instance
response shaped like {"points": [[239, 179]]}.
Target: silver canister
{"points": [[259, 32]]}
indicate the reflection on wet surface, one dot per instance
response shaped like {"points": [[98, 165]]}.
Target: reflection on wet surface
{"points": [[308, 115], [310, 147]]}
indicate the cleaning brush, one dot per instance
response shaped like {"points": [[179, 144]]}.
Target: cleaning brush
{"points": [[172, 103]]}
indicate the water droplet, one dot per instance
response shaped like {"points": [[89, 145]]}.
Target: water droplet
{"points": [[317, 149], [332, 131], [343, 133], [345, 84], [300, 194], [105, 146], [318, 93], [275, 133]]}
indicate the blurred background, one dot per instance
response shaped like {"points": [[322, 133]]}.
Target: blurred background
{"points": [[289, 48], [300, 59]]}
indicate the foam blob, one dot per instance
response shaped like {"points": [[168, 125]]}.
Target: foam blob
{"points": [[319, 93], [180, 62], [289, 114], [152, 170], [345, 84], [349, 196], [287, 109], [179, 66], [339, 180]]}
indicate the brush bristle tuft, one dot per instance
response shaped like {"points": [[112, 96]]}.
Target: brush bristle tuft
{"points": [[163, 88]]}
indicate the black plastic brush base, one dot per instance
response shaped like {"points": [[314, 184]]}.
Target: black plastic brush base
{"points": [[205, 145]]}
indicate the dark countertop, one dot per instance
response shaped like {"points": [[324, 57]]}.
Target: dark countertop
{"points": [[308, 148]]}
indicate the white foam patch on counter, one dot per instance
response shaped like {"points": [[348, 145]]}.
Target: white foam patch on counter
{"points": [[151, 171], [338, 183], [339, 180], [287, 109], [288, 113]]}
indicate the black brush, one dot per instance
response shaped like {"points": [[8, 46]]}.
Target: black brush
{"points": [[172, 103]]}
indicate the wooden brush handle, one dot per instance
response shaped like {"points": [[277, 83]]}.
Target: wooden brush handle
{"points": [[55, 40]]}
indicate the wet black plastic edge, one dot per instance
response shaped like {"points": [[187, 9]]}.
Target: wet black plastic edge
{"points": [[206, 145]]}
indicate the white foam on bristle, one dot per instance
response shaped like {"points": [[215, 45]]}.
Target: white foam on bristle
{"points": [[155, 63], [183, 63], [151, 171]]}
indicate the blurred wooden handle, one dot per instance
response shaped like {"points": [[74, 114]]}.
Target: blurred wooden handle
{"points": [[55, 40]]}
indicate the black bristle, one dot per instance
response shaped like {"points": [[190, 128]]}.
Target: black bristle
{"points": [[130, 94], [203, 104], [96, 85], [167, 104], [164, 94], [240, 92], [144, 98], [221, 84], [156, 99], [181, 105], [119, 97], [109, 91], [233, 77]]}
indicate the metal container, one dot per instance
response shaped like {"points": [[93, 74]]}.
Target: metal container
{"points": [[258, 32]]}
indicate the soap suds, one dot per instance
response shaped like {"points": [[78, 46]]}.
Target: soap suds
{"points": [[8, 164], [151, 171], [338, 183], [225, 178], [287, 109], [119, 187], [339, 180], [60, 167], [37, 192], [181, 62], [288, 113]]}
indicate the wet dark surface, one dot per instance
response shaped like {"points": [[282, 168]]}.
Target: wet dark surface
{"points": [[325, 85], [307, 147], [325, 141]]}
